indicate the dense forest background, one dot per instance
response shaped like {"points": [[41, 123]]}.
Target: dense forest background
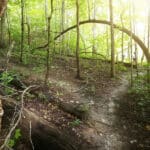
{"points": [[29, 27]]}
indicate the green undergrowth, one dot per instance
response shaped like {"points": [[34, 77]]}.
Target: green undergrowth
{"points": [[8, 81], [14, 139], [140, 95]]}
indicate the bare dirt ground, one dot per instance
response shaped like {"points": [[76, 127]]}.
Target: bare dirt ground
{"points": [[106, 128]]}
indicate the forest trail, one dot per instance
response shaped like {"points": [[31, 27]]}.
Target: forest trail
{"points": [[103, 132], [104, 115]]}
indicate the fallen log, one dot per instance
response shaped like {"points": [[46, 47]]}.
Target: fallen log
{"points": [[44, 134], [80, 110]]}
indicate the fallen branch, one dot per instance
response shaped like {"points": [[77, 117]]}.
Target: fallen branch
{"points": [[30, 135], [5, 144]]}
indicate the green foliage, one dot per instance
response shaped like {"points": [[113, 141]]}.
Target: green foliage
{"points": [[38, 69], [11, 143], [5, 79], [75, 123], [42, 96], [121, 67], [140, 94], [90, 34], [17, 135]]}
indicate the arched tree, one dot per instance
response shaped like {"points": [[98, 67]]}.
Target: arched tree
{"points": [[125, 30]]}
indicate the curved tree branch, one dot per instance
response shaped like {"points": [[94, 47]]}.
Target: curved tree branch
{"points": [[128, 32]]}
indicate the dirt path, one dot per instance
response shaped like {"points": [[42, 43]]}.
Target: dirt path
{"points": [[103, 132], [105, 117]]}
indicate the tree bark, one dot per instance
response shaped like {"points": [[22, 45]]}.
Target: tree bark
{"points": [[8, 30], [22, 30], [122, 37], [78, 38], [89, 12], [29, 30], [2, 30], [46, 13], [112, 39], [62, 26], [93, 28], [131, 43], [48, 46]]}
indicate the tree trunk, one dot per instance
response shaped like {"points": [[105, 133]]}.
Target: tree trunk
{"points": [[122, 37], [46, 13], [112, 40], [48, 46], [68, 36], [78, 40], [29, 30], [2, 31], [93, 29], [135, 57], [62, 26], [131, 44], [107, 41], [89, 12], [8, 30], [22, 30]]}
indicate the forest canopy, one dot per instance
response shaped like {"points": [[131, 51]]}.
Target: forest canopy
{"points": [[132, 13]]}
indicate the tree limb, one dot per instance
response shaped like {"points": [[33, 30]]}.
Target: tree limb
{"points": [[128, 32], [18, 120]]}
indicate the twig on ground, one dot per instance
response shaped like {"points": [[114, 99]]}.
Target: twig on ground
{"points": [[17, 121], [30, 135]]}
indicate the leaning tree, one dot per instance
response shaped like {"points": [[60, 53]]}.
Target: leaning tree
{"points": [[122, 29]]}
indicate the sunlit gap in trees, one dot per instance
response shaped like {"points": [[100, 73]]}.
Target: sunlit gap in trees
{"points": [[134, 10], [91, 35]]}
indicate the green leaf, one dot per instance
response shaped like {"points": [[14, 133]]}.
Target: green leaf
{"points": [[17, 134], [11, 143]]}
